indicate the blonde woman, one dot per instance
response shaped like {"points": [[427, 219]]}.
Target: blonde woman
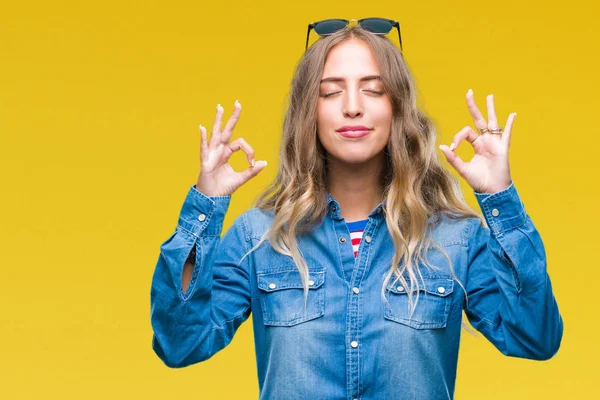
{"points": [[359, 260]]}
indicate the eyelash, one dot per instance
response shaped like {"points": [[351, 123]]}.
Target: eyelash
{"points": [[332, 93]]}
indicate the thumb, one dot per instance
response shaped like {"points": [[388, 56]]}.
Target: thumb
{"points": [[454, 159], [252, 171]]}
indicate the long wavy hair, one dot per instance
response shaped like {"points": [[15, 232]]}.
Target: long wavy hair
{"points": [[415, 185]]}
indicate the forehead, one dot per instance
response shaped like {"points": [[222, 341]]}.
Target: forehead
{"points": [[350, 58]]}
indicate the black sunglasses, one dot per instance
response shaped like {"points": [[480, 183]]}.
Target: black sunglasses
{"points": [[379, 26]]}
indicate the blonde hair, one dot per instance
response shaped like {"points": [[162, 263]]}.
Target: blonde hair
{"points": [[415, 185]]}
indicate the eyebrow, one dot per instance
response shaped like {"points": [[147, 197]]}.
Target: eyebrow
{"points": [[338, 79]]}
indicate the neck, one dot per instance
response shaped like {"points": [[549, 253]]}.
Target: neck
{"points": [[356, 187]]}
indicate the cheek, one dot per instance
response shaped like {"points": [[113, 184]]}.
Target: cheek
{"points": [[323, 109], [384, 115], [324, 114]]}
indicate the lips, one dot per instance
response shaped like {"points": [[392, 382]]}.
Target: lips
{"points": [[355, 131]]}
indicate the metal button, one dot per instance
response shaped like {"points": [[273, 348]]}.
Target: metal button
{"points": [[368, 239], [400, 288], [355, 290], [441, 289], [342, 240], [334, 208], [201, 217], [311, 283], [354, 343], [272, 286], [495, 212]]}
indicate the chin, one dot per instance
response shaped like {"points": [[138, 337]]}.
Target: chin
{"points": [[354, 157]]}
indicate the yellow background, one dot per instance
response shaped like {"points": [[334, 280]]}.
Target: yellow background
{"points": [[99, 111]]}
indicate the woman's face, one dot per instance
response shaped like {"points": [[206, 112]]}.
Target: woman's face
{"points": [[351, 96]]}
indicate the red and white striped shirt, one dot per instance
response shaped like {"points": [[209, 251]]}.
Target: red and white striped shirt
{"points": [[356, 229]]}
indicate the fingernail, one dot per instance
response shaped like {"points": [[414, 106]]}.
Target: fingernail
{"points": [[265, 162], [201, 126], [469, 91], [452, 146], [252, 162], [515, 114], [219, 106]]}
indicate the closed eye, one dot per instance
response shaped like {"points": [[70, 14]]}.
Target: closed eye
{"points": [[367, 90], [328, 94]]}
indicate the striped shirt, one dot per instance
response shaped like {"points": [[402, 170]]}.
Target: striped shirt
{"points": [[356, 229]]}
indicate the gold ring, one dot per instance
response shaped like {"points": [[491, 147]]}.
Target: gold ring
{"points": [[484, 130], [498, 131]]}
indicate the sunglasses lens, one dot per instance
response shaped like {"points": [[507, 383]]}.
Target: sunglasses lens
{"points": [[329, 26], [376, 25]]}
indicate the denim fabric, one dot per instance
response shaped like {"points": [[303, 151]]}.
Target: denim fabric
{"points": [[348, 343]]}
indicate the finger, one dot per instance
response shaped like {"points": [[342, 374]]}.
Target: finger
{"points": [[215, 136], [454, 160], [465, 133], [252, 171], [478, 119], [235, 116], [203, 143], [492, 119], [508, 129], [238, 144]]}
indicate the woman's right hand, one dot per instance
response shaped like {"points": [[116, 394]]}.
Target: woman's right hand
{"points": [[217, 177]]}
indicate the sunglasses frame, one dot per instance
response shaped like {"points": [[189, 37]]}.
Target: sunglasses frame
{"points": [[395, 24]]}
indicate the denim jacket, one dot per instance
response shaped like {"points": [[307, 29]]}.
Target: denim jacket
{"points": [[348, 343]]}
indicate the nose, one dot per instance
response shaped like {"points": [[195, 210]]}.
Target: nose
{"points": [[352, 104]]}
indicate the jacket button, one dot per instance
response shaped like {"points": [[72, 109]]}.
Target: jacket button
{"points": [[495, 212], [334, 208], [311, 283], [201, 217], [400, 288], [368, 239], [355, 290], [441, 289], [342, 240], [354, 343], [272, 286]]}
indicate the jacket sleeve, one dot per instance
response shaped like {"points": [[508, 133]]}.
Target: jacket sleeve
{"points": [[191, 327], [510, 299]]}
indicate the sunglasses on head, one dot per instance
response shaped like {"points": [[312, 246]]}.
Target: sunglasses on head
{"points": [[378, 26]]}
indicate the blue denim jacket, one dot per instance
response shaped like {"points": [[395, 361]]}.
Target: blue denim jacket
{"points": [[348, 343]]}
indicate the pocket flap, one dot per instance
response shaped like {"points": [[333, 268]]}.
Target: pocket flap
{"points": [[274, 280], [437, 286]]}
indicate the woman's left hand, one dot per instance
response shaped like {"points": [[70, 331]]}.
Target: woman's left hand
{"points": [[488, 171]]}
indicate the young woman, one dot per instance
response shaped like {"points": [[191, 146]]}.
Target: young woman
{"points": [[358, 261]]}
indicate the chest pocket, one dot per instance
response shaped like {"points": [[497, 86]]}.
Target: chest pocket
{"points": [[431, 309], [282, 296]]}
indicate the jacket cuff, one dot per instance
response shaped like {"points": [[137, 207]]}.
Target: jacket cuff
{"points": [[503, 210], [202, 215]]}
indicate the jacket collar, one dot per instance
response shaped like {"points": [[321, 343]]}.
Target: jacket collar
{"points": [[334, 208]]}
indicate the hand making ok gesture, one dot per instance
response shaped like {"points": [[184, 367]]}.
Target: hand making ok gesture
{"points": [[488, 171], [217, 177]]}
